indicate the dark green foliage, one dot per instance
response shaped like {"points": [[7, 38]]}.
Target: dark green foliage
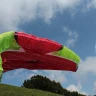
{"points": [[45, 84]]}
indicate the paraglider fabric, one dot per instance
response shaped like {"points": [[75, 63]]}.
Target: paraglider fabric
{"points": [[38, 53]]}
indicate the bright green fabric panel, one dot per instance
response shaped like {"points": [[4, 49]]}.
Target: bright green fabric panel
{"points": [[7, 41], [68, 54], [1, 69]]}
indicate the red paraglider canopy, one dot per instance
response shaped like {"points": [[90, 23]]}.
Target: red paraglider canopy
{"points": [[35, 55], [15, 60]]}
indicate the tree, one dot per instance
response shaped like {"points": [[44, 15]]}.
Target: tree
{"points": [[45, 84]]}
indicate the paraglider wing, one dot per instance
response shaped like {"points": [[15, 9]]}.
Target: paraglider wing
{"points": [[15, 60], [31, 52]]}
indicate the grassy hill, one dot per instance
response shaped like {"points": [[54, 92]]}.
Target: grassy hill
{"points": [[8, 90]]}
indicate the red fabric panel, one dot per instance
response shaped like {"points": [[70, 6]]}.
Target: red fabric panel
{"points": [[35, 44], [35, 56], [15, 60]]}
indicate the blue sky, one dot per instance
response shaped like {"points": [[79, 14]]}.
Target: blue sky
{"points": [[69, 22]]}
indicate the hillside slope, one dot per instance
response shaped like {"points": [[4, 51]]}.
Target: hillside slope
{"points": [[8, 90]]}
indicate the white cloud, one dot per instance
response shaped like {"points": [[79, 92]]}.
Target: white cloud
{"points": [[15, 12], [73, 88], [89, 4], [58, 76], [95, 48], [87, 66], [85, 69], [15, 74], [94, 86], [22, 74], [72, 37], [77, 88]]}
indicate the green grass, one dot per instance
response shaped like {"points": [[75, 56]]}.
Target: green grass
{"points": [[8, 90]]}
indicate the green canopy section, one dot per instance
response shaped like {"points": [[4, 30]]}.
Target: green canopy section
{"points": [[1, 69], [7, 41], [68, 54]]}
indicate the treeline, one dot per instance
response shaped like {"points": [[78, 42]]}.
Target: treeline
{"points": [[45, 84]]}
